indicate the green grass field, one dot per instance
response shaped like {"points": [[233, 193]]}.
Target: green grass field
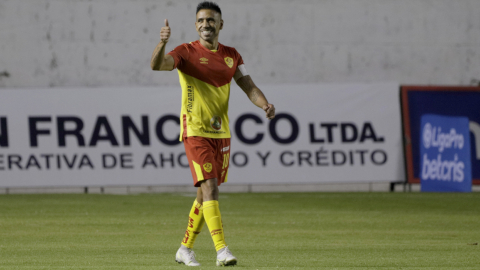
{"points": [[264, 231]]}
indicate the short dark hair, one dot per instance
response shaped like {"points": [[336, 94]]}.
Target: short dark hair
{"points": [[208, 5]]}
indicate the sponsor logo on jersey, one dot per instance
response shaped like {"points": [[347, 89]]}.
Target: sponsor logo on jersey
{"points": [[190, 98], [229, 62], [207, 167], [225, 149], [203, 60], [216, 122]]}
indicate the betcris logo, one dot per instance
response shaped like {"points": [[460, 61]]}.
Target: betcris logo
{"points": [[445, 154]]}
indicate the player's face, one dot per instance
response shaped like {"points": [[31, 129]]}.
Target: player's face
{"points": [[208, 24]]}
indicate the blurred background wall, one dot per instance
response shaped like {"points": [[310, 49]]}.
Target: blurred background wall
{"points": [[49, 43]]}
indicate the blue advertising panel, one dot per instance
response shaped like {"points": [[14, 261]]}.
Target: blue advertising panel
{"points": [[445, 154], [441, 100]]}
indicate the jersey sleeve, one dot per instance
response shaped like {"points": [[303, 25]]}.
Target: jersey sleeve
{"points": [[239, 58], [180, 55]]}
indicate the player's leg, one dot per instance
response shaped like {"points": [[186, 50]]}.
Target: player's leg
{"points": [[211, 206], [211, 211], [196, 221], [213, 218], [210, 192]]}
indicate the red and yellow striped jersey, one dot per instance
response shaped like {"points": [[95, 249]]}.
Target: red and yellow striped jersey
{"points": [[205, 78]]}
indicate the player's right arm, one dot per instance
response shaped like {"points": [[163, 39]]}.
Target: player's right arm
{"points": [[159, 60]]}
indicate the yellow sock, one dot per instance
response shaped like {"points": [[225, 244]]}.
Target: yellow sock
{"points": [[195, 224], [211, 212]]}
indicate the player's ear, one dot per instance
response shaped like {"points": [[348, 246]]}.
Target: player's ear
{"points": [[221, 24]]}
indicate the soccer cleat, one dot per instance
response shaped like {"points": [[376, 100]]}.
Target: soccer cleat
{"points": [[225, 257], [186, 256]]}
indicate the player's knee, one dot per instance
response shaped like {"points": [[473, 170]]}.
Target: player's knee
{"points": [[210, 189]]}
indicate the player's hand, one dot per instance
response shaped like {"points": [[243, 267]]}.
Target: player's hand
{"points": [[165, 32], [269, 110]]}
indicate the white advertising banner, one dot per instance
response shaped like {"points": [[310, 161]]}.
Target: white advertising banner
{"points": [[323, 133]]}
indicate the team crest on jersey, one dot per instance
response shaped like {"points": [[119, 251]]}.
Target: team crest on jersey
{"points": [[203, 60], [229, 62], [207, 167], [216, 122]]}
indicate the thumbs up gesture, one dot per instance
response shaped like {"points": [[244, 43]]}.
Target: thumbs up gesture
{"points": [[165, 32]]}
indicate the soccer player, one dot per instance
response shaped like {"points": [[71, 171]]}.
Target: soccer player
{"points": [[206, 68]]}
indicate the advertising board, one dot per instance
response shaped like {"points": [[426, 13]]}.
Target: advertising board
{"points": [[322, 133], [442, 100]]}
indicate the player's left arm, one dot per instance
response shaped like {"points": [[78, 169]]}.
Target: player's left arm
{"points": [[255, 95]]}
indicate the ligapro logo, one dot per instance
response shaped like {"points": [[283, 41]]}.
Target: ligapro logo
{"points": [[433, 137], [429, 140]]}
